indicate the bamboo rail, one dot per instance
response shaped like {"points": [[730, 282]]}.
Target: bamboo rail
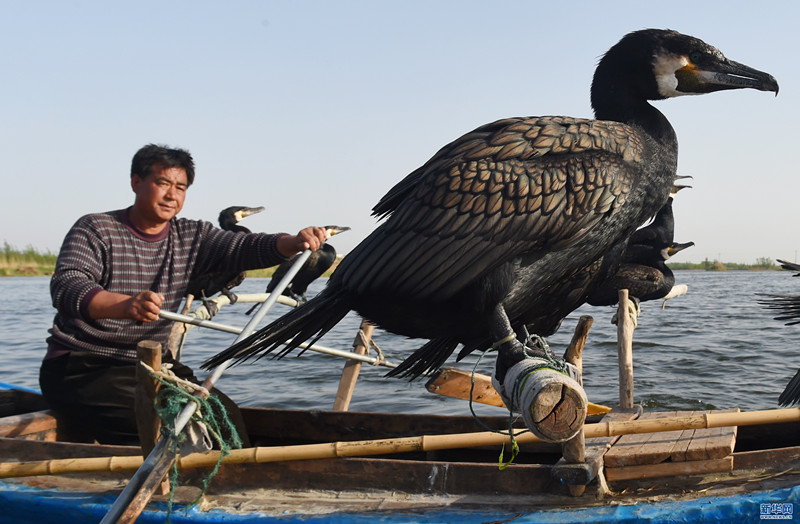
{"points": [[397, 445]]}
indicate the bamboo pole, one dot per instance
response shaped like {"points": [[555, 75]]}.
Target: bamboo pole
{"points": [[175, 317], [353, 367], [625, 329], [399, 445], [185, 321]]}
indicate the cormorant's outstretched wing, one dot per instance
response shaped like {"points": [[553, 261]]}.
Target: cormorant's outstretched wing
{"points": [[507, 188]]}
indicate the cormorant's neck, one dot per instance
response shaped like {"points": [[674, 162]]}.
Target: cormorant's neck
{"points": [[620, 92], [620, 108]]}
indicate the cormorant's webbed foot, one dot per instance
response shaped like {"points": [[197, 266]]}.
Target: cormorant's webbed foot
{"points": [[230, 294], [210, 305]]}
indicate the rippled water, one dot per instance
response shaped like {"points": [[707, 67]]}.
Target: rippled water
{"points": [[715, 347]]}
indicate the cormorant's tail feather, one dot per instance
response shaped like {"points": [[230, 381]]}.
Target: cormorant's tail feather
{"points": [[429, 357], [788, 306], [312, 319], [791, 395]]}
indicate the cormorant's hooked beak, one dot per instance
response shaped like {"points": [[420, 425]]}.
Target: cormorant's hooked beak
{"points": [[247, 211], [677, 187], [675, 247], [722, 74], [335, 230]]}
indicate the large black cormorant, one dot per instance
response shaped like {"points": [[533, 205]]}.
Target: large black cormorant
{"points": [[476, 240], [318, 263], [789, 308], [213, 282], [643, 271]]}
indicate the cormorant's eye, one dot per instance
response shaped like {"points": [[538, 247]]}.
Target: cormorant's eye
{"points": [[695, 57]]}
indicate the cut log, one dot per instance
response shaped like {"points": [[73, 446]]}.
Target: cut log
{"points": [[455, 383]]}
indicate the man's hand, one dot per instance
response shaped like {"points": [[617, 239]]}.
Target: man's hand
{"points": [[308, 238], [145, 306]]}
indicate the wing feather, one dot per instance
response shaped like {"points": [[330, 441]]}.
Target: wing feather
{"points": [[505, 189]]}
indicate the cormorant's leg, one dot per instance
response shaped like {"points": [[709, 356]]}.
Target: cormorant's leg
{"points": [[511, 351], [211, 307], [230, 294]]}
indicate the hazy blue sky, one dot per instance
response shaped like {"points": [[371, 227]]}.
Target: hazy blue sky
{"points": [[315, 109]]}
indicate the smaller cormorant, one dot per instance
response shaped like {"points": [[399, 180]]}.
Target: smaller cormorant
{"points": [[643, 271], [317, 264], [213, 282]]}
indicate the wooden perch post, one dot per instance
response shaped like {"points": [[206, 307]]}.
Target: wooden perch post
{"points": [[574, 449], [353, 367], [625, 329], [147, 422]]}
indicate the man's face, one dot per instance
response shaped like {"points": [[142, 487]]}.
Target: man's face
{"points": [[160, 196]]}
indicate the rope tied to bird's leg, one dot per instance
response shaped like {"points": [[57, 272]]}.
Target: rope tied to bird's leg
{"points": [[210, 419], [511, 416], [369, 342]]}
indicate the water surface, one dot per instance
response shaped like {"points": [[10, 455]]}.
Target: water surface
{"points": [[714, 347]]}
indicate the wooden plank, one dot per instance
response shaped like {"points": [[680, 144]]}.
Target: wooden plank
{"points": [[675, 446], [720, 442], [669, 469], [765, 458], [456, 383], [407, 476], [707, 444], [681, 446], [28, 423], [28, 450], [632, 450], [16, 401]]}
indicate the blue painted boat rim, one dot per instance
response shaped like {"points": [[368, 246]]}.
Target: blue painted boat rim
{"points": [[26, 504]]}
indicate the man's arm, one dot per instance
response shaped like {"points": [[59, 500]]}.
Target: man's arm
{"points": [[143, 307]]}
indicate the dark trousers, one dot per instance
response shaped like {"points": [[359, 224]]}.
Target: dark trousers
{"points": [[95, 396]]}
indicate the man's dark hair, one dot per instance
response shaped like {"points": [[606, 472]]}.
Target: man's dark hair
{"points": [[154, 157]]}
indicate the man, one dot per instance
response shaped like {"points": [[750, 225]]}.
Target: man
{"points": [[116, 271]]}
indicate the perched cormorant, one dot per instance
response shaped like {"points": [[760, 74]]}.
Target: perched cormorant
{"points": [[318, 263], [643, 271], [789, 308], [211, 283], [476, 240]]}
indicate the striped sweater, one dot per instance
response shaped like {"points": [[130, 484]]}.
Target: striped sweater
{"points": [[104, 251]]}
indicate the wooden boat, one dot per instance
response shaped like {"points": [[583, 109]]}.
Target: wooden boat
{"points": [[725, 474]]}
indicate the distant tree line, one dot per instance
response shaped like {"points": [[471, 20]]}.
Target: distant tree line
{"points": [[31, 261], [762, 264], [28, 261]]}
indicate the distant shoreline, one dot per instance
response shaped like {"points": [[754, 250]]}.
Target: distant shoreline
{"points": [[31, 263], [27, 270]]}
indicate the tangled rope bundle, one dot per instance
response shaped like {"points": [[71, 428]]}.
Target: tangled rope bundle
{"points": [[210, 413]]}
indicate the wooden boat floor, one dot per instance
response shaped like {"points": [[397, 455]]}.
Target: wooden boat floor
{"points": [[676, 446], [321, 502]]}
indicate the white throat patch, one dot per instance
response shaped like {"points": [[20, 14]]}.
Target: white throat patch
{"points": [[664, 67]]}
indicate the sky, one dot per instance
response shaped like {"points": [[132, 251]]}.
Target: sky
{"points": [[315, 109]]}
